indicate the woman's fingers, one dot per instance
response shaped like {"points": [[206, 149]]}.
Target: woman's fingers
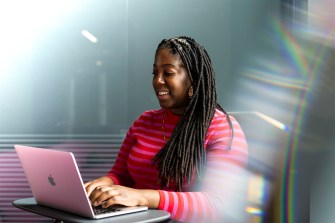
{"points": [[91, 185], [103, 193], [116, 194]]}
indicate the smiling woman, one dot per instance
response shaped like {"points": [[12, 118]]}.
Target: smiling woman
{"points": [[81, 71], [171, 81], [189, 156]]}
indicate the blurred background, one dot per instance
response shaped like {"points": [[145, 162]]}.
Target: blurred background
{"points": [[74, 75]]}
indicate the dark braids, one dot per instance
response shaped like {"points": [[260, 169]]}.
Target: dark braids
{"points": [[185, 152]]}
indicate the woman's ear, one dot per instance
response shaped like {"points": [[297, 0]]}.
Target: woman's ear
{"points": [[190, 92]]}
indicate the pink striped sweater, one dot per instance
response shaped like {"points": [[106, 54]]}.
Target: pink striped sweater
{"points": [[203, 198]]}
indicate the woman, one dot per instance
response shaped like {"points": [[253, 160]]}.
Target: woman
{"points": [[177, 158]]}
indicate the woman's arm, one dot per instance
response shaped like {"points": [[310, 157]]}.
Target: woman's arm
{"points": [[117, 194], [120, 173]]}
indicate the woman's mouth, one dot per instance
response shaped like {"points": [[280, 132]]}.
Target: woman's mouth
{"points": [[162, 94]]}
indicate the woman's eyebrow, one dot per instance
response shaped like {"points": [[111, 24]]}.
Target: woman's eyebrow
{"points": [[165, 65]]}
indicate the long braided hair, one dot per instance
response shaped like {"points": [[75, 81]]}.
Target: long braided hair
{"points": [[184, 152]]}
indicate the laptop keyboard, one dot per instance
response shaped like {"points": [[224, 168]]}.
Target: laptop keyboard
{"points": [[99, 210]]}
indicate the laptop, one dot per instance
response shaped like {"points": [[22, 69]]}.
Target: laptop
{"points": [[55, 181]]}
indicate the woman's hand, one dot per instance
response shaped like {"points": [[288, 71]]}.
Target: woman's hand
{"points": [[92, 185], [106, 196]]}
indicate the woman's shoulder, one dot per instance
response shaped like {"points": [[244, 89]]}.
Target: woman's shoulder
{"points": [[221, 119], [219, 115], [150, 115]]}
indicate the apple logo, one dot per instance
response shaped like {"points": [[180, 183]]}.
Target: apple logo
{"points": [[51, 180]]}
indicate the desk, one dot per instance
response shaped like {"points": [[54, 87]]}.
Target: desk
{"points": [[151, 215]]}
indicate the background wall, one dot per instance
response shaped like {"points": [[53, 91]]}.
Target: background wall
{"points": [[54, 80]]}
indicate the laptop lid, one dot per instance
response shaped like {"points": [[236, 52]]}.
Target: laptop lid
{"points": [[55, 181]]}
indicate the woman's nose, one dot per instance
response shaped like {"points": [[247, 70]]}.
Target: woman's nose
{"points": [[159, 79]]}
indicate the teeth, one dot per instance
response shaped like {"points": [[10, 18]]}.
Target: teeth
{"points": [[163, 93]]}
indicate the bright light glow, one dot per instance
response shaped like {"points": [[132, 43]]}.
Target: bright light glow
{"points": [[264, 117], [256, 189], [321, 21], [89, 36], [275, 78], [272, 121], [99, 63], [22, 23], [252, 210]]}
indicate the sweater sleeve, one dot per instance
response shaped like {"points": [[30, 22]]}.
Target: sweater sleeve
{"points": [[119, 172], [221, 192]]}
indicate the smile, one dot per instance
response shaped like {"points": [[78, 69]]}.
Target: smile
{"points": [[162, 92]]}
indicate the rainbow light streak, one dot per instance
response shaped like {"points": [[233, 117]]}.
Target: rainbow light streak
{"points": [[274, 79], [291, 48], [255, 211], [256, 195], [265, 118], [272, 121], [309, 70]]}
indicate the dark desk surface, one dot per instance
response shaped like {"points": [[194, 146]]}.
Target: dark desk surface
{"points": [[151, 215]]}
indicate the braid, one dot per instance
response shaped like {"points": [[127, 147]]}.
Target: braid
{"points": [[185, 152]]}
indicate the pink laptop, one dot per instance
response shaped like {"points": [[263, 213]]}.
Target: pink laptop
{"points": [[55, 181]]}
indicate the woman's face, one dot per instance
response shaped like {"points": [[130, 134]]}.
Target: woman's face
{"points": [[171, 81]]}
